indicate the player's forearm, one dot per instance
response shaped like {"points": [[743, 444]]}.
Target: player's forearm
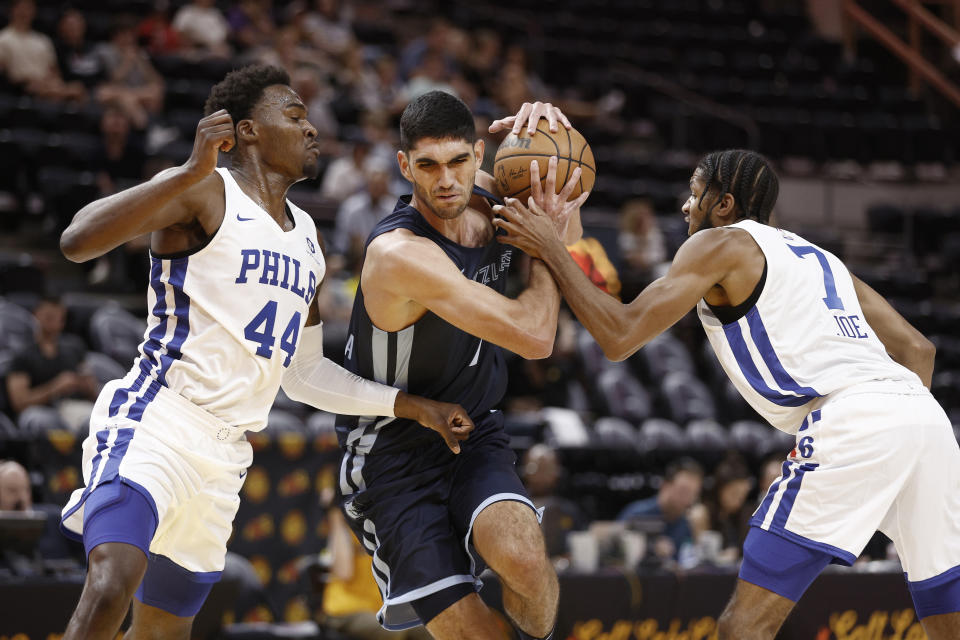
{"points": [[107, 223], [917, 355], [601, 314], [540, 303]]}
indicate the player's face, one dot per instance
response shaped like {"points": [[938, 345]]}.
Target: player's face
{"points": [[442, 172], [289, 141], [695, 208]]}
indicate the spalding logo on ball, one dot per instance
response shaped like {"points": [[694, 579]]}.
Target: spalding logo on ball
{"points": [[511, 168]]}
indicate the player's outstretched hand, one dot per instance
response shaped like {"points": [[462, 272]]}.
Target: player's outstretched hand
{"points": [[528, 228], [530, 114], [214, 134], [449, 420], [556, 205]]}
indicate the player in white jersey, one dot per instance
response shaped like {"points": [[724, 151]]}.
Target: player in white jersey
{"points": [[235, 269], [820, 355]]}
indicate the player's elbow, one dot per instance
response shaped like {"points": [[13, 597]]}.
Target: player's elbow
{"points": [[535, 349], [925, 350], [615, 348], [77, 246], [70, 245]]}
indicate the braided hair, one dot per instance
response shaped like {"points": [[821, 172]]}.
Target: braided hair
{"points": [[747, 176]]}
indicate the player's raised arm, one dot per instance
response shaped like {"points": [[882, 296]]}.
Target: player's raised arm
{"points": [[174, 196], [906, 345]]}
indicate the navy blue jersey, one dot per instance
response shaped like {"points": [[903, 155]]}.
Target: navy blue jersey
{"points": [[431, 357]]}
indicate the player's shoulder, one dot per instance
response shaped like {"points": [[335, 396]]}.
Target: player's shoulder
{"points": [[402, 253]]}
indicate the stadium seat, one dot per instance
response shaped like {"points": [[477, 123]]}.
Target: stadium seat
{"points": [[663, 439], [663, 355], [686, 397], [103, 367], [623, 395], [616, 433], [707, 435], [17, 326], [116, 332]]}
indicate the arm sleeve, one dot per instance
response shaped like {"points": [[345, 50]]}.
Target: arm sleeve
{"points": [[318, 381]]}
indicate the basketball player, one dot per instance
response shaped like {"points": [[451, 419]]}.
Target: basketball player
{"points": [[430, 317], [235, 268], [820, 355]]}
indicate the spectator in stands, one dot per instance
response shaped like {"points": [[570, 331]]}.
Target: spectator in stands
{"points": [[592, 258], [378, 86], [541, 471], [770, 471], [121, 155], [328, 23], [360, 213], [46, 383], [641, 245], [16, 495], [345, 175], [29, 60], [680, 491], [132, 82], [203, 30], [351, 598], [156, 31], [726, 510], [435, 41], [76, 55], [251, 24], [315, 92]]}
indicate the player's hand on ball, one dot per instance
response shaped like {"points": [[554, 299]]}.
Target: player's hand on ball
{"points": [[214, 134], [449, 420], [528, 228], [556, 205], [531, 114]]}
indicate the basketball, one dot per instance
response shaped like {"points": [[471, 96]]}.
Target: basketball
{"points": [[511, 168]]}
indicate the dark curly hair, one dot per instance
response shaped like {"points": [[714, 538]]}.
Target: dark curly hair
{"points": [[747, 176], [240, 91]]}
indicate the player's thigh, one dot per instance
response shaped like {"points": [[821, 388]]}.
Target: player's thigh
{"points": [[507, 536], [924, 521], [782, 566], [152, 623], [470, 618], [945, 626]]}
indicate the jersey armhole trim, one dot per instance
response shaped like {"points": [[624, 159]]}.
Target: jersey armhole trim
{"points": [[731, 314]]}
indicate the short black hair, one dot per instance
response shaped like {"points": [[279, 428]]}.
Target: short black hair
{"points": [[436, 114], [683, 464], [747, 176], [241, 89]]}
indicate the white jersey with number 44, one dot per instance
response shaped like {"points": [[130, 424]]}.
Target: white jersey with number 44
{"points": [[225, 319], [804, 339]]}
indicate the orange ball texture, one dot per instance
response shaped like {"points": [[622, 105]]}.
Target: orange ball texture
{"points": [[511, 168]]}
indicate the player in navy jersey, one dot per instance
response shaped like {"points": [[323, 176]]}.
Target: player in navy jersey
{"points": [[430, 317], [820, 355], [234, 271]]}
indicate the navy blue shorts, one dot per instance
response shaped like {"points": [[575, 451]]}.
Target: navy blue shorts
{"points": [[415, 515]]}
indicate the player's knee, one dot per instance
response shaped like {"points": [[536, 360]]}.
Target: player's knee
{"points": [[527, 568], [735, 625]]}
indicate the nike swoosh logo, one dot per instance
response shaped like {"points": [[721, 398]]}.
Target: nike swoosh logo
{"points": [[243, 219], [243, 473]]}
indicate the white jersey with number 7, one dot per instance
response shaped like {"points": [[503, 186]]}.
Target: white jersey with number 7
{"points": [[804, 339]]}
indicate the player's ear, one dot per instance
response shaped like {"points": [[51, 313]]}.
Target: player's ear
{"points": [[404, 161], [726, 207], [478, 147], [246, 130]]}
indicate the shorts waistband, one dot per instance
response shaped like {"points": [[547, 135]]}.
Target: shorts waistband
{"points": [[170, 401], [896, 387]]}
